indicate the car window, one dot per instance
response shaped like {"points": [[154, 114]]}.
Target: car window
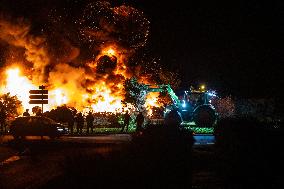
{"points": [[35, 121], [28, 121], [52, 121], [17, 121], [22, 121], [46, 120]]}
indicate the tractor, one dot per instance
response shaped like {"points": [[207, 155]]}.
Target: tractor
{"points": [[192, 106]]}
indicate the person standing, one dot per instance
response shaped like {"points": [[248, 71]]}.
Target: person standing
{"points": [[3, 117], [26, 113], [139, 121], [80, 122], [90, 120], [70, 121], [126, 121]]}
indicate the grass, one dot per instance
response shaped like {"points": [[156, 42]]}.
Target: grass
{"points": [[198, 130], [108, 130], [105, 130], [132, 127]]}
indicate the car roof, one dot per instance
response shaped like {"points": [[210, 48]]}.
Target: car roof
{"points": [[26, 117], [34, 117]]}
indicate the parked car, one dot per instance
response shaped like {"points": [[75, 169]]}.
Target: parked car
{"points": [[36, 126]]}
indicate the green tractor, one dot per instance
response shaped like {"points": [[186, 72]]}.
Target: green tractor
{"points": [[193, 106]]}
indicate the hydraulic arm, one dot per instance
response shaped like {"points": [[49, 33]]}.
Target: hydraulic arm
{"points": [[162, 88]]}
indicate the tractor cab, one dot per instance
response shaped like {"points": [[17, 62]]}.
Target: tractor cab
{"points": [[195, 105]]}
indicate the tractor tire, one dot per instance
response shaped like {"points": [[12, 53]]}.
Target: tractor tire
{"points": [[173, 118], [204, 116]]}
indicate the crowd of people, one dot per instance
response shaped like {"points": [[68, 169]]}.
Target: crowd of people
{"points": [[78, 123], [91, 121]]}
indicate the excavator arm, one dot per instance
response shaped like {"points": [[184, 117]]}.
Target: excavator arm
{"points": [[168, 89]]}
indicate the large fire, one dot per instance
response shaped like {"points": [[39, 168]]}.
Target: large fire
{"points": [[99, 98], [86, 72]]}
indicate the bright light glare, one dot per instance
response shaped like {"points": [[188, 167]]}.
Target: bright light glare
{"points": [[183, 105]]}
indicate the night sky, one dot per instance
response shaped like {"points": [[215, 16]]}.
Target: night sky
{"points": [[235, 48]]}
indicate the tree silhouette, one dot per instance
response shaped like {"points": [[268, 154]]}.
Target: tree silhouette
{"points": [[62, 114], [36, 110], [135, 93], [10, 107]]}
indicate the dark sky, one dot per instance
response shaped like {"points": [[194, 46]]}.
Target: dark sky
{"points": [[235, 48]]}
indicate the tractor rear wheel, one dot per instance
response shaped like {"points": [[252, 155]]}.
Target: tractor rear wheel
{"points": [[204, 116]]}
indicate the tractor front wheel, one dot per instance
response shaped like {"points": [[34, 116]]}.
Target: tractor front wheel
{"points": [[204, 116], [173, 118]]}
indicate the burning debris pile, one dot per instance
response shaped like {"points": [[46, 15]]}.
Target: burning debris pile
{"points": [[83, 62]]}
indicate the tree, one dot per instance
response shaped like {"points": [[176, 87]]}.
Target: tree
{"points": [[135, 93], [62, 114], [10, 107], [36, 110]]}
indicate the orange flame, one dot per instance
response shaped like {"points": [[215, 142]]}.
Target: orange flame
{"points": [[18, 85], [101, 96]]}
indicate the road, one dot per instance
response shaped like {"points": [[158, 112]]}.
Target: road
{"points": [[36, 161], [8, 151], [8, 148], [200, 139]]}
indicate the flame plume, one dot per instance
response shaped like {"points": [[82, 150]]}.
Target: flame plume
{"points": [[86, 73]]}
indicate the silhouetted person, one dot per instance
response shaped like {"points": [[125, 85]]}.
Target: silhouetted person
{"points": [[26, 113], [139, 121], [80, 122], [90, 120], [126, 121], [70, 121], [3, 117]]}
